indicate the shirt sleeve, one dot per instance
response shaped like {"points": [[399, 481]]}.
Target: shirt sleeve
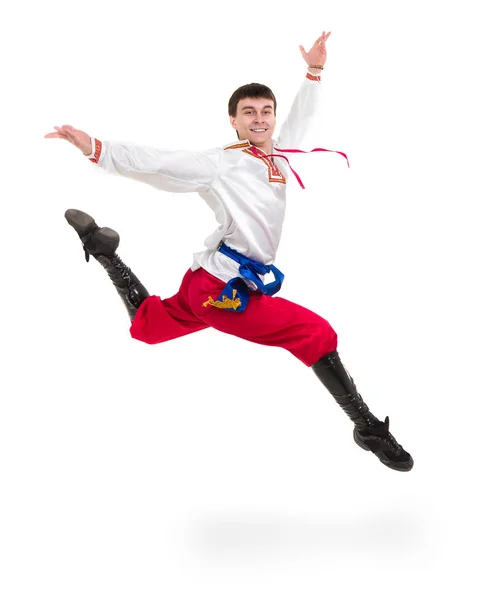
{"points": [[168, 170], [301, 115]]}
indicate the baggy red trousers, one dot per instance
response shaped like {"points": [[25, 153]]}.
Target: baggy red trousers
{"points": [[267, 320]]}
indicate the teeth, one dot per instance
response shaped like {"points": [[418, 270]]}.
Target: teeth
{"points": [[259, 129]]}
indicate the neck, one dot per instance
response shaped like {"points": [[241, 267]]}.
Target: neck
{"points": [[266, 147]]}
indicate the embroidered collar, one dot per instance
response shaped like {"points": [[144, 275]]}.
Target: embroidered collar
{"points": [[274, 172], [240, 144]]}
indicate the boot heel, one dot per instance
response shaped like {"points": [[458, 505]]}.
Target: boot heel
{"points": [[359, 442], [106, 241]]}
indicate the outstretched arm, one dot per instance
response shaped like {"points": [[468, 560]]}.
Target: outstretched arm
{"points": [[173, 171], [306, 102]]}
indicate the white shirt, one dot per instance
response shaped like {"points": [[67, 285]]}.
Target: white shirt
{"points": [[246, 192]]}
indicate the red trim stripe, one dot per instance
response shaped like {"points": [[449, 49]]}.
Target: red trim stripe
{"points": [[98, 146], [243, 145]]}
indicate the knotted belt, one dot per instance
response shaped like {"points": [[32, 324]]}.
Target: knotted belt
{"points": [[235, 295]]}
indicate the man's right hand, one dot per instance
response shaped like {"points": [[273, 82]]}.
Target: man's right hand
{"points": [[78, 138]]}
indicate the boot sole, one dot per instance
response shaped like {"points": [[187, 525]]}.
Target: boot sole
{"points": [[105, 240], [407, 466], [81, 222]]}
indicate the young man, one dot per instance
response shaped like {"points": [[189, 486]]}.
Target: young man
{"points": [[245, 184]]}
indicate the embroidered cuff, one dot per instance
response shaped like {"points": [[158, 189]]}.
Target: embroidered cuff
{"points": [[313, 77], [96, 150]]}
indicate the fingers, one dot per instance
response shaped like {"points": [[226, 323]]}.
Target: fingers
{"points": [[65, 132], [65, 129], [68, 132], [55, 135], [322, 39]]}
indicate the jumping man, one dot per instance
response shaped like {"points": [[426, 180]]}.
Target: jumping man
{"points": [[244, 183]]}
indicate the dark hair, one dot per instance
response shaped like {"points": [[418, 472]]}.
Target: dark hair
{"points": [[250, 90]]}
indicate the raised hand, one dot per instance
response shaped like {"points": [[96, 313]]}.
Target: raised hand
{"points": [[78, 138], [317, 55]]}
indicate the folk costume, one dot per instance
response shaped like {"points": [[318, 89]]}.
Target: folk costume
{"points": [[225, 288]]}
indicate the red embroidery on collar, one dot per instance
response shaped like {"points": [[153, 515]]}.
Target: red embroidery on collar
{"points": [[303, 152], [243, 145], [274, 173]]}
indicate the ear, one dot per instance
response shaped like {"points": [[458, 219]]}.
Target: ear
{"points": [[233, 122]]}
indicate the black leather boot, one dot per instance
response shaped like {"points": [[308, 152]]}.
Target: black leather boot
{"points": [[369, 432], [101, 243]]}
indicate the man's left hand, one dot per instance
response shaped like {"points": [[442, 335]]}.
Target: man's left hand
{"points": [[317, 55]]}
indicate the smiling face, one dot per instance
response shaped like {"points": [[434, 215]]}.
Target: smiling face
{"points": [[255, 121]]}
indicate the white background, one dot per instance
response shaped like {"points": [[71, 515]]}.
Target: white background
{"points": [[208, 467]]}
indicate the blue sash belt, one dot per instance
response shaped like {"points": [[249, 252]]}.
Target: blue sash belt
{"points": [[235, 295]]}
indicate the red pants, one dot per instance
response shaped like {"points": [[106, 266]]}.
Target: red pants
{"points": [[267, 320]]}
